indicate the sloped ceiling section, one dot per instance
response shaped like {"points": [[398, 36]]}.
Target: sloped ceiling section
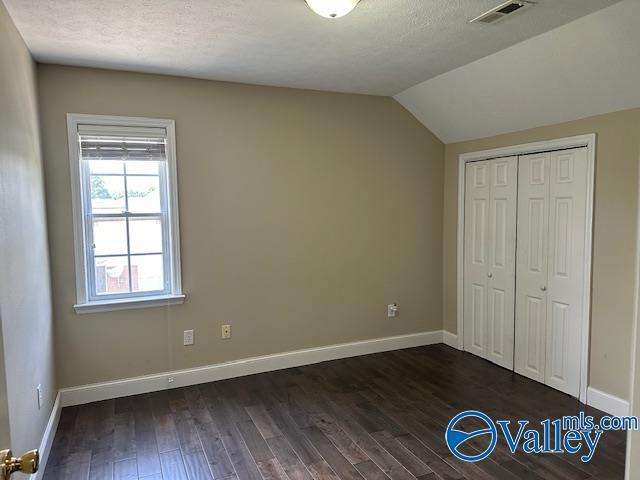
{"points": [[587, 67]]}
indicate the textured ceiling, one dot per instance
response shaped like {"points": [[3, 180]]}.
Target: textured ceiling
{"points": [[588, 67], [382, 47]]}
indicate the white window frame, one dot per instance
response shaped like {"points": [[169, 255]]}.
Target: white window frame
{"points": [[172, 295]]}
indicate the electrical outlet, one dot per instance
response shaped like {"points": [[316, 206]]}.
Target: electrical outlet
{"points": [[392, 310], [226, 331], [170, 381], [188, 337], [40, 396]]}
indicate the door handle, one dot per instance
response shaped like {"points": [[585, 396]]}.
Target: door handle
{"points": [[27, 463], [543, 288], [490, 275]]}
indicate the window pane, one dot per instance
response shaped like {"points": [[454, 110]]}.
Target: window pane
{"points": [[147, 167], [106, 166], [145, 235], [110, 236], [147, 273], [143, 194], [112, 275], [107, 194]]}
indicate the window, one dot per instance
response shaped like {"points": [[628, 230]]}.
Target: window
{"points": [[125, 212]]}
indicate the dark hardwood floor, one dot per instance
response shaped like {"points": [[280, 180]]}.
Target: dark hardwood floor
{"points": [[379, 416]]}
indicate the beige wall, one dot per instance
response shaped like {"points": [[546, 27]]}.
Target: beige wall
{"points": [[303, 214], [25, 301], [614, 235], [633, 436]]}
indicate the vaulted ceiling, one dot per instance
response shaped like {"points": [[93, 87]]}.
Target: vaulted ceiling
{"points": [[383, 47], [588, 67]]}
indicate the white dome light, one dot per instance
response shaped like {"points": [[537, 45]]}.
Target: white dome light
{"points": [[332, 8]]}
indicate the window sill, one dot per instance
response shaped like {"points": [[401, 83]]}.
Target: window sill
{"points": [[129, 304]]}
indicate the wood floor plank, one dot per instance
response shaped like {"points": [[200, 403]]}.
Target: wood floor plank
{"points": [[373, 420], [429, 458], [147, 456], [166, 433], [254, 441], [103, 471], [347, 447], [322, 471], [296, 437], [76, 467], [124, 439], [214, 450], [370, 471], [172, 465], [240, 456], [104, 427], [330, 453], [291, 463], [521, 471], [263, 422], [378, 417], [196, 404], [358, 433], [197, 466], [185, 427], [241, 459], [125, 470], [63, 438], [272, 470], [401, 454]]}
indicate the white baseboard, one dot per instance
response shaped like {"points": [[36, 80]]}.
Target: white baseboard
{"points": [[238, 368], [606, 402], [47, 439], [450, 339]]}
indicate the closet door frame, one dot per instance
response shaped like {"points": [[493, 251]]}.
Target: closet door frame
{"points": [[588, 141]]}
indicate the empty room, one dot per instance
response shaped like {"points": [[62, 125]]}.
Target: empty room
{"points": [[319, 239]]}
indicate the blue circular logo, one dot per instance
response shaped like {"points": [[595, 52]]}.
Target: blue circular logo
{"points": [[456, 438]]}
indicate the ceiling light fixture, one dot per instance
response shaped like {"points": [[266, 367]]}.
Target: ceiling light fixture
{"points": [[332, 8]]}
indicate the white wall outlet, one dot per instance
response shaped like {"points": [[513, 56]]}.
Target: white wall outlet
{"points": [[188, 337], [170, 381], [392, 310], [226, 331]]}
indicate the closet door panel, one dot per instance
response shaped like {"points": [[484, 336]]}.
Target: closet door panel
{"points": [[476, 263], [566, 269], [531, 269], [502, 251]]}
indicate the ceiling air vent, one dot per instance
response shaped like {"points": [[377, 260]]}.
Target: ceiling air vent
{"points": [[500, 12]]}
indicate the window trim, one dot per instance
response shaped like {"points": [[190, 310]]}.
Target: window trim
{"points": [[174, 294]]}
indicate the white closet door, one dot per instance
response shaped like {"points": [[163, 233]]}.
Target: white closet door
{"points": [[490, 242], [566, 268], [550, 276], [476, 262], [531, 275], [502, 261]]}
